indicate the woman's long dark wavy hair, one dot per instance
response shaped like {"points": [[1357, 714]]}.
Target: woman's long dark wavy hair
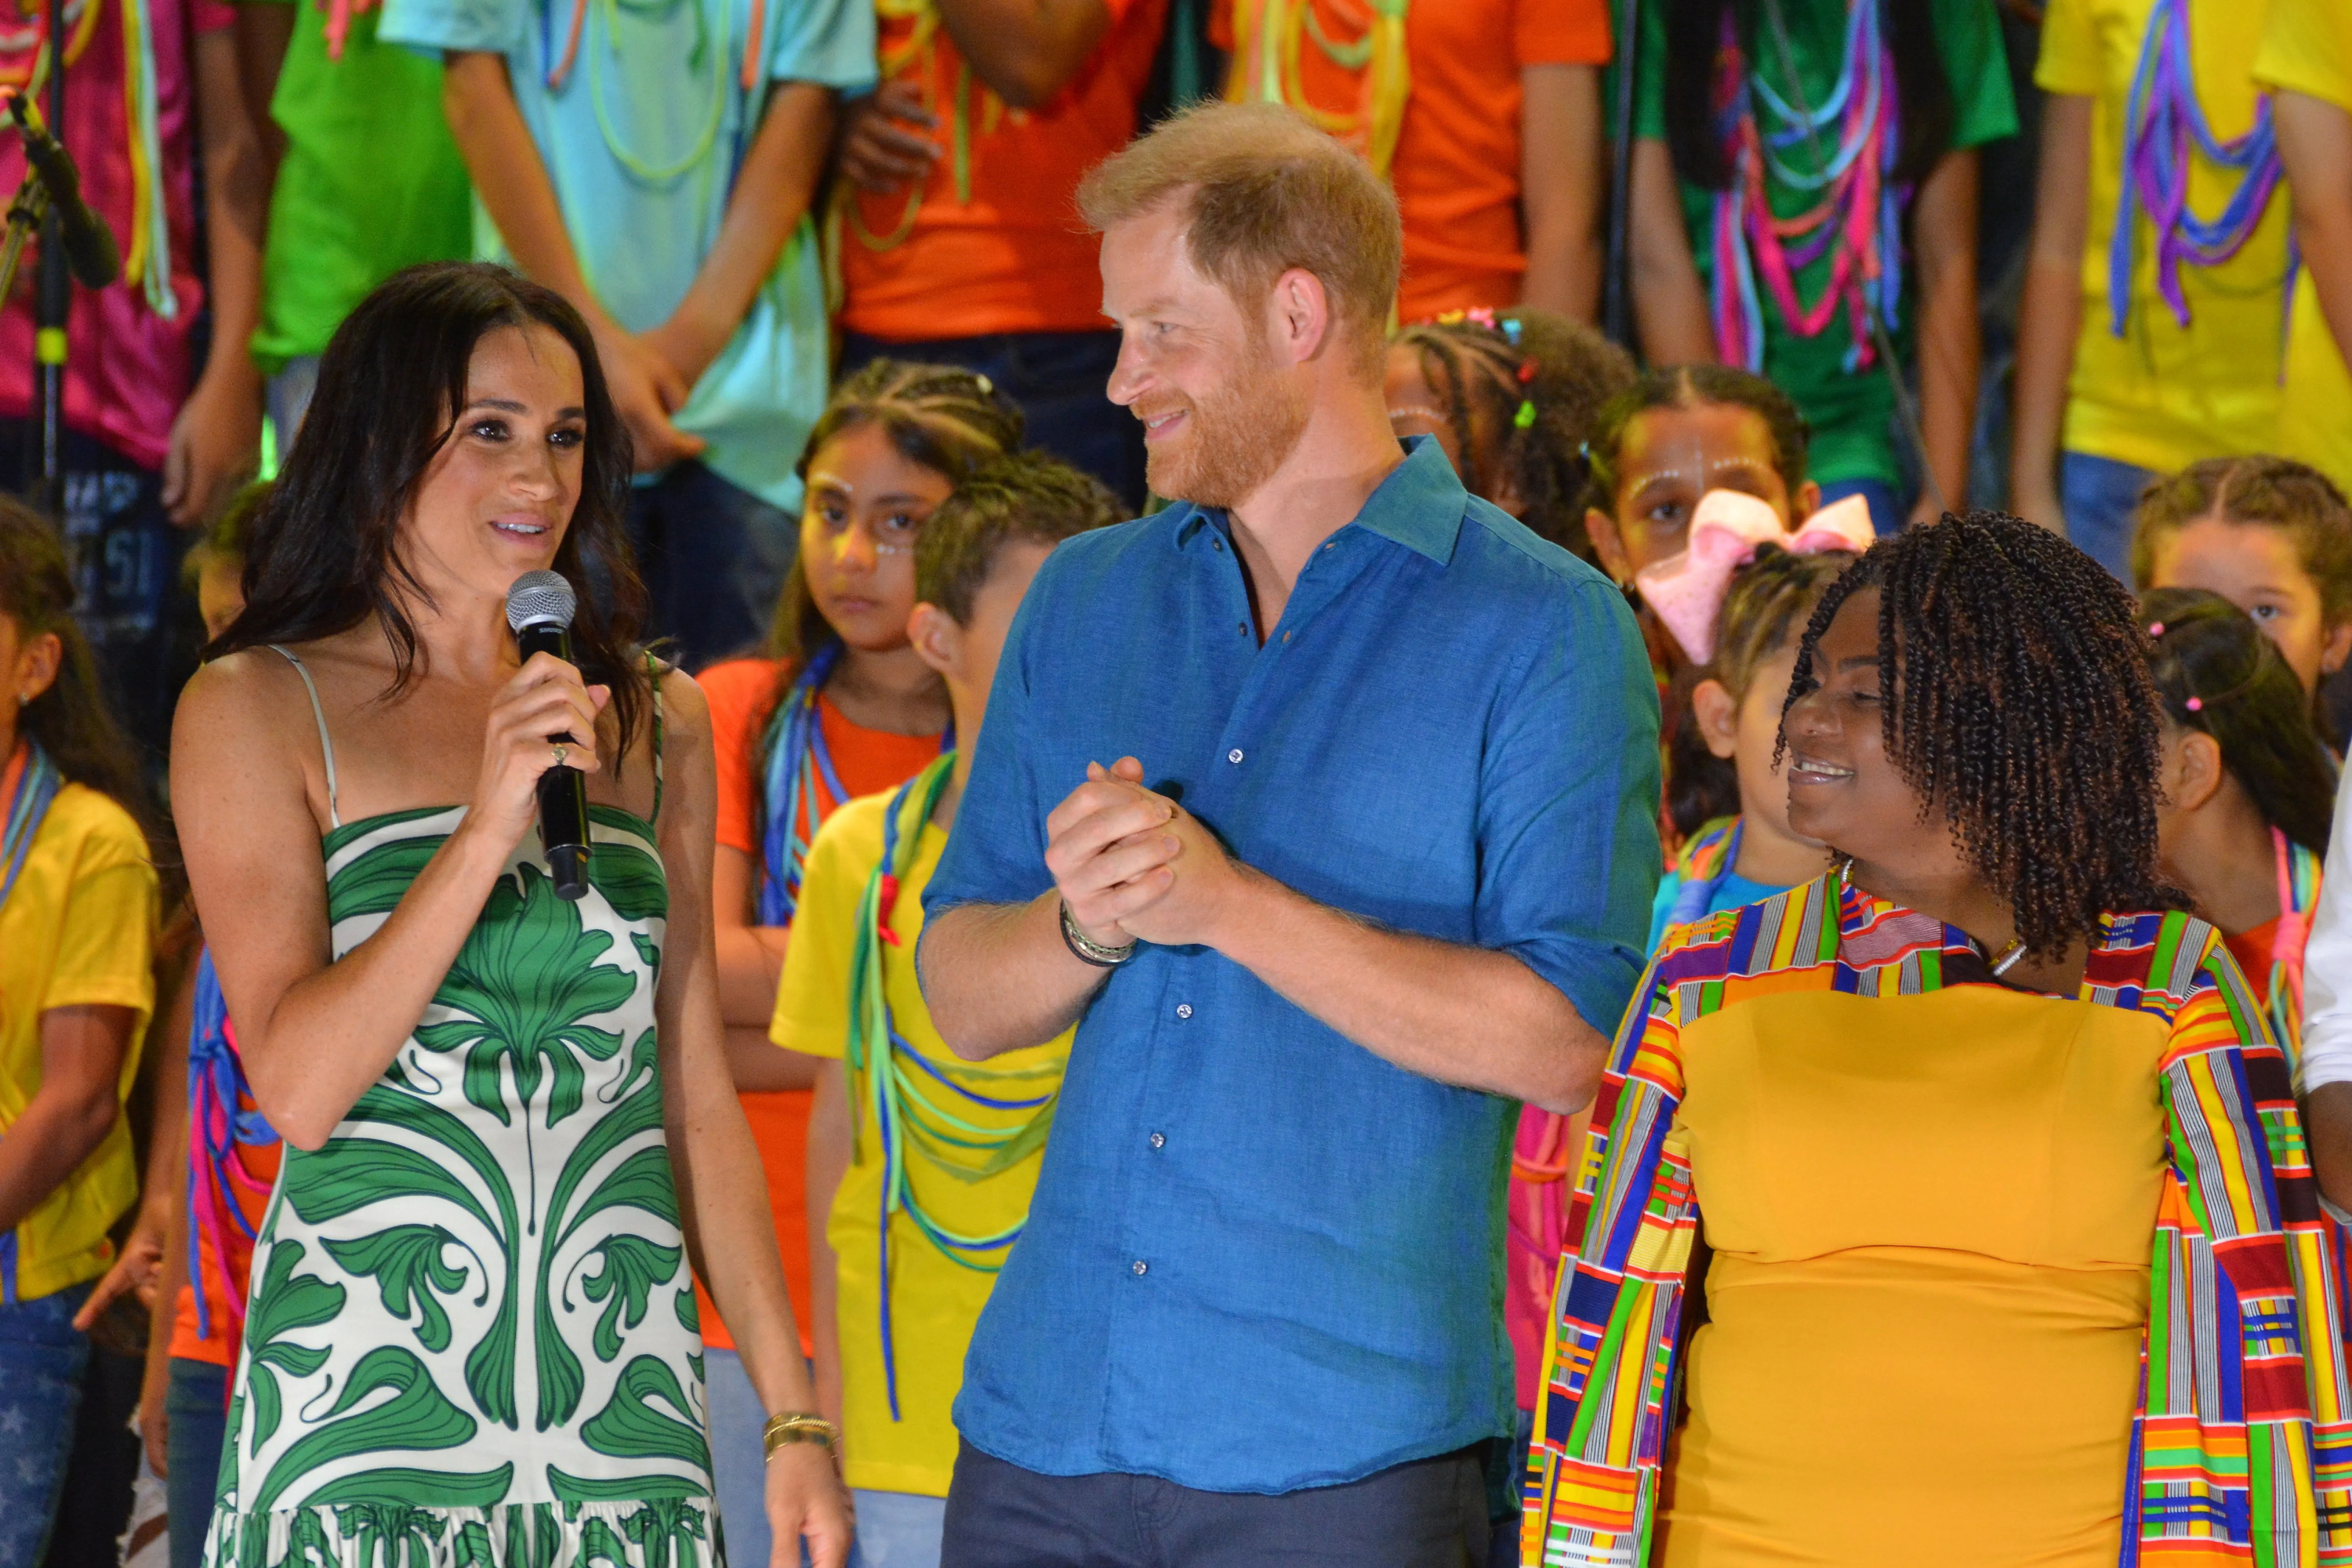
{"points": [[71, 720], [325, 552], [2215, 671], [2016, 699], [1694, 36]]}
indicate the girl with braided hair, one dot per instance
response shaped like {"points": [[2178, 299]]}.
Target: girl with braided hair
{"points": [[1514, 396], [1961, 1122], [2248, 789], [839, 705]]}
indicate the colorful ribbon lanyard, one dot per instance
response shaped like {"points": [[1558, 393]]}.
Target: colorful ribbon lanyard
{"points": [[2164, 128], [37, 783], [1269, 38], [920, 49], [798, 765], [1857, 221], [897, 1082], [559, 71], [2298, 892], [1702, 877], [217, 1126]]}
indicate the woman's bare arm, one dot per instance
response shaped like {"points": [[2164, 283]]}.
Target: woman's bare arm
{"points": [[722, 1195], [315, 1032]]}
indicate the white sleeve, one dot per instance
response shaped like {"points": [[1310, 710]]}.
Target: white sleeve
{"points": [[2327, 1046]]}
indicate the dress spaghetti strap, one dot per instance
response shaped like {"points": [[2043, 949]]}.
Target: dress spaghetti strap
{"points": [[654, 669], [327, 746]]}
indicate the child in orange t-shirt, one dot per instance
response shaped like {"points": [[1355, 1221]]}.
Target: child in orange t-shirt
{"points": [[958, 233], [1485, 115], [840, 706]]}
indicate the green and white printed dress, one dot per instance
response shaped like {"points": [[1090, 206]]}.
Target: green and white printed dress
{"points": [[471, 1337]]}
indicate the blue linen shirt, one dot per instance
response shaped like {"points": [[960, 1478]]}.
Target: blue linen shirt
{"points": [[642, 140], [1261, 1257]]}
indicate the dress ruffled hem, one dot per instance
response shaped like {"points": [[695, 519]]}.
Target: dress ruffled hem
{"points": [[640, 1533]]}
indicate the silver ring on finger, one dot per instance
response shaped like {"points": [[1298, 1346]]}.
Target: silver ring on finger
{"points": [[562, 751]]}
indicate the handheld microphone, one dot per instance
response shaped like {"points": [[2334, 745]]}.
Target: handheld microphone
{"points": [[539, 608], [89, 244]]}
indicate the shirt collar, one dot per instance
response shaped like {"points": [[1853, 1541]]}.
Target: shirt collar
{"points": [[1420, 505]]}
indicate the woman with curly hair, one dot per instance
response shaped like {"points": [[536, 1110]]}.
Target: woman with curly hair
{"points": [[2010, 1249]]}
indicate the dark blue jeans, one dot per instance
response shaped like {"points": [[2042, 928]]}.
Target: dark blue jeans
{"points": [[2101, 499], [197, 1408], [1431, 1513], [714, 558], [42, 1358], [1057, 378]]}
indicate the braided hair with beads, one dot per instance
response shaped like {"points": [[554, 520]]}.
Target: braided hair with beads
{"points": [[2018, 705], [1521, 392]]}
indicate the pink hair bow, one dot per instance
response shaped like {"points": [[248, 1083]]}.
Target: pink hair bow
{"points": [[1687, 590]]}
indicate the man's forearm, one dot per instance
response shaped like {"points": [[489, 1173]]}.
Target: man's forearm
{"points": [[1000, 977], [1463, 1015]]}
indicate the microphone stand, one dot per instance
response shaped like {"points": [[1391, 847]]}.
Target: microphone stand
{"points": [[53, 303], [30, 211]]}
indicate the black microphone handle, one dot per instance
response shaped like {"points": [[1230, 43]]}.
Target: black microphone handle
{"points": [[562, 791]]}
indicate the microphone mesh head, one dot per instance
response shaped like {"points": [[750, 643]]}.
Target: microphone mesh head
{"points": [[538, 597]]}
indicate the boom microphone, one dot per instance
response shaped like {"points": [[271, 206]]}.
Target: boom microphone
{"points": [[89, 244], [539, 608]]}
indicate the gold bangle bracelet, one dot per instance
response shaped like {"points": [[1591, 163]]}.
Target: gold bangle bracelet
{"points": [[799, 1427]]}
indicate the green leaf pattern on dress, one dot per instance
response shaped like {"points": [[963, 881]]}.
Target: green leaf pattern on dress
{"points": [[492, 1230]]}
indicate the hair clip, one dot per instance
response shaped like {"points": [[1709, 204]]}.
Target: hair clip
{"points": [[2196, 705], [1528, 369], [2155, 629], [1526, 418], [987, 387], [1511, 330]]}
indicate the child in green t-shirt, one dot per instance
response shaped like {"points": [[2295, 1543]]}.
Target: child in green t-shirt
{"points": [[921, 1165], [1804, 195]]}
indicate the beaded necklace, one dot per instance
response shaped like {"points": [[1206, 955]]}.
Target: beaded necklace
{"points": [[37, 783], [217, 1126], [1268, 36], [1856, 221], [898, 1083], [2164, 127], [559, 71]]}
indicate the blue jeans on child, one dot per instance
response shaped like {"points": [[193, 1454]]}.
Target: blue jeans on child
{"points": [[2100, 498], [196, 1411], [42, 1359], [1886, 509]]}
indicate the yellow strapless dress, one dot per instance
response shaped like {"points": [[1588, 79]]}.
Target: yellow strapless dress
{"points": [[1930, 1219]]}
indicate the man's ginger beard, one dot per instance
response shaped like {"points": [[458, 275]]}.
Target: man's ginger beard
{"points": [[1235, 437]]}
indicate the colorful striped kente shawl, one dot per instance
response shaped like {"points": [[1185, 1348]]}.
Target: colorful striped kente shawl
{"points": [[2242, 1446]]}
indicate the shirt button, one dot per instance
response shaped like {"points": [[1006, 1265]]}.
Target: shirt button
{"points": [[1184, 1009], [1159, 1140], [1242, 627], [1217, 544], [1142, 1268], [1234, 755], [1286, 637]]}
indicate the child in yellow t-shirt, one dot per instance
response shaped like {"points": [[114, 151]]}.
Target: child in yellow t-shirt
{"points": [[77, 921], [2148, 339], [921, 1166], [2305, 60]]}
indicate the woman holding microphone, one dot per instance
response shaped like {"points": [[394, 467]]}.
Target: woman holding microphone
{"points": [[511, 1136]]}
